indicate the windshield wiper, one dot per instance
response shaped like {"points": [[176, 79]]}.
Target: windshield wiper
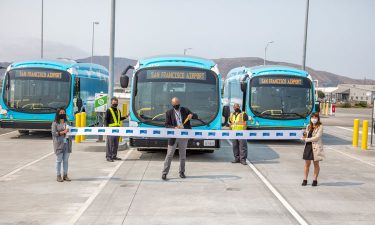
{"points": [[297, 114]]}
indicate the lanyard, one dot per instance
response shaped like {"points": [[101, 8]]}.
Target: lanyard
{"points": [[178, 116]]}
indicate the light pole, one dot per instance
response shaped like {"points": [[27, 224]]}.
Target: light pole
{"points": [[41, 33], [305, 38], [112, 50], [186, 49], [92, 41], [265, 52]]}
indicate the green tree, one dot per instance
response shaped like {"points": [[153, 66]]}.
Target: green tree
{"points": [[321, 94]]}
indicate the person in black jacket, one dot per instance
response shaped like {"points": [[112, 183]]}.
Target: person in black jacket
{"points": [[178, 118], [113, 118]]}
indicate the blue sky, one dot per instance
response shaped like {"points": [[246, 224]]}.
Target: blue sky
{"points": [[341, 32]]}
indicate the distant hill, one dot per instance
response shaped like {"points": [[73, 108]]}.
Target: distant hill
{"points": [[326, 79]]}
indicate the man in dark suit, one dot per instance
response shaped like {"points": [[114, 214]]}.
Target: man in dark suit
{"points": [[177, 118]]}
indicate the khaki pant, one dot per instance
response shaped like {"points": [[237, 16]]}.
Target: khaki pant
{"points": [[182, 144]]}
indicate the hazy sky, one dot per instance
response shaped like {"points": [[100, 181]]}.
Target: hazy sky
{"points": [[341, 32]]}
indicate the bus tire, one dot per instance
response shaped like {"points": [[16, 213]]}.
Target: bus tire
{"points": [[24, 132]]}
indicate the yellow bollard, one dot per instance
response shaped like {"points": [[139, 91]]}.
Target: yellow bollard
{"points": [[355, 132], [83, 124], [364, 135], [125, 109], [78, 124], [124, 113], [322, 108], [326, 109]]}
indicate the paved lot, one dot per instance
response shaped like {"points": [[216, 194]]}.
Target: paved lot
{"points": [[267, 191]]}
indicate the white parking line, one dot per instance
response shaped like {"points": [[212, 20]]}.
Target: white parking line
{"points": [[283, 201], [352, 157], [4, 177], [8, 133], [351, 129], [91, 199]]}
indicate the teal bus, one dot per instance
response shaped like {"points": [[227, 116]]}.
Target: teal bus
{"points": [[155, 81], [276, 97], [33, 90]]}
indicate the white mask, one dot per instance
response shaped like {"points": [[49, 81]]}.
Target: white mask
{"points": [[314, 120]]}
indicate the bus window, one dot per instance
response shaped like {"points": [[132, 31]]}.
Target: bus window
{"points": [[37, 90]]}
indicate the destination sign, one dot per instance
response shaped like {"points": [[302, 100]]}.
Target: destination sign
{"points": [[39, 74], [183, 75], [281, 81]]}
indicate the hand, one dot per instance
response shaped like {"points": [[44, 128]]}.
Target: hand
{"points": [[190, 116], [303, 138]]}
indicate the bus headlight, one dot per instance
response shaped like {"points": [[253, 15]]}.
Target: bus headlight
{"points": [[3, 112]]}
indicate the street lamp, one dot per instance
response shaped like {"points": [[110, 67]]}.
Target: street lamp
{"points": [[92, 41], [265, 51], [41, 33], [186, 49], [305, 35]]}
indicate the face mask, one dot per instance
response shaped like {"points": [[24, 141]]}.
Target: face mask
{"points": [[314, 120], [114, 105], [176, 106], [62, 116], [237, 110]]}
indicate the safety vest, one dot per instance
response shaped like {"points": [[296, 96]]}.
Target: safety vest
{"points": [[116, 121], [238, 122]]}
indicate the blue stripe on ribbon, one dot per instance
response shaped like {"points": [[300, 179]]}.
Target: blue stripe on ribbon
{"points": [[266, 134], [143, 131], [239, 134], [115, 131], [170, 132], [293, 134], [253, 134], [225, 134], [156, 132], [101, 130], [211, 134], [184, 133], [129, 131], [278, 134], [198, 133], [88, 130], [73, 130]]}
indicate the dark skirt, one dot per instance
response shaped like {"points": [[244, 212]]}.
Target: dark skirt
{"points": [[308, 152]]}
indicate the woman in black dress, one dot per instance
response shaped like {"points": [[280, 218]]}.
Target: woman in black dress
{"points": [[314, 148]]}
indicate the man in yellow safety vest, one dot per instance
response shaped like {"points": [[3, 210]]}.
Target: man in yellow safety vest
{"points": [[237, 121], [113, 118]]}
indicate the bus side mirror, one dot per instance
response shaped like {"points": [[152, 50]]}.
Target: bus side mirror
{"points": [[124, 81], [243, 86], [226, 111], [79, 104]]}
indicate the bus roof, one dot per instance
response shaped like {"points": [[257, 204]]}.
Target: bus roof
{"points": [[60, 65], [238, 71], [177, 60], [275, 69]]}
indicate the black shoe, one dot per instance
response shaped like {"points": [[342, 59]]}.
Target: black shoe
{"points": [[164, 177], [314, 183], [243, 163], [304, 182], [236, 161], [182, 175], [110, 160], [116, 158]]}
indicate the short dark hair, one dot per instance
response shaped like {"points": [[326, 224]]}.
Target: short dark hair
{"points": [[58, 113], [114, 99]]}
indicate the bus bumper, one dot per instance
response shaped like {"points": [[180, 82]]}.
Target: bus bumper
{"points": [[159, 143], [26, 125]]}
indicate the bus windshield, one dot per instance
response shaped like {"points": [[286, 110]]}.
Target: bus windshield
{"points": [[154, 88], [36, 90], [281, 97]]}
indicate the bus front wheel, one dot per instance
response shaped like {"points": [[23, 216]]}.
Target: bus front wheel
{"points": [[24, 132]]}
